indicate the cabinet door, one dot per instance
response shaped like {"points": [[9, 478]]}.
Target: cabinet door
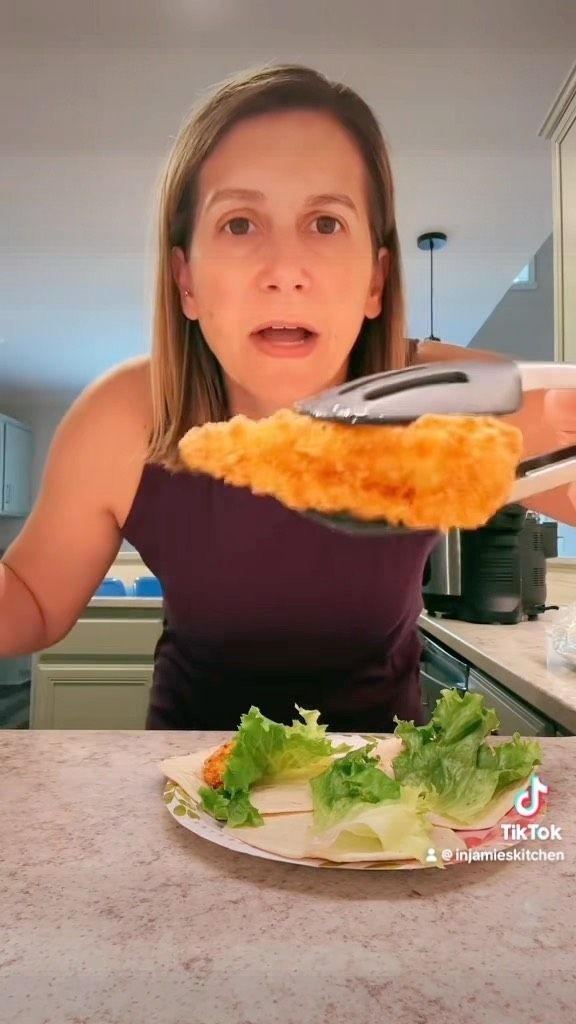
{"points": [[566, 242], [17, 469], [560, 128], [90, 697]]}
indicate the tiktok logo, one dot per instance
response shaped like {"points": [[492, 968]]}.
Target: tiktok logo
{"points": [[528, 801]]}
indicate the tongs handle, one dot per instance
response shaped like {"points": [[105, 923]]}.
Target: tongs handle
{"points": [[556, 468], [547, 376], [545, 472]]}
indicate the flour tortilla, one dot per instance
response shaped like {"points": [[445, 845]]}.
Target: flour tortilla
{"points": [[497, 809], [386, 750], [284, 834], [292, 836]]}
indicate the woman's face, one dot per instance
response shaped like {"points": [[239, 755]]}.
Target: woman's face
{"points": [[292, 254]]}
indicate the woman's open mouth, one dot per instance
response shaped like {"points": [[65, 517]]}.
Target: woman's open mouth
{"points": [[285, 340]]}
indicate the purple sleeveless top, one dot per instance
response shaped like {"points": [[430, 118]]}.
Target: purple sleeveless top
{"points": [[263, 606]]}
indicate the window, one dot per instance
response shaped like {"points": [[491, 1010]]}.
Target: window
{"points": [[526, 278]]}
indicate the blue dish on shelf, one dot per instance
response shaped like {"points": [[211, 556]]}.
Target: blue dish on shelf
{"points": [[147, 586], [111, 587]]}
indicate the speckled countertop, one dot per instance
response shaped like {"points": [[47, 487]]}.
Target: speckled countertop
{"points": [[112, 913], [516, 656]]}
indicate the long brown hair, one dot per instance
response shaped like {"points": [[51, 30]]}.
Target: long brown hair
{"points": [[187, 381]]}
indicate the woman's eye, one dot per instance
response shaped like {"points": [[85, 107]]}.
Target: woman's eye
{"points": [[237, 221], [324, 219]]}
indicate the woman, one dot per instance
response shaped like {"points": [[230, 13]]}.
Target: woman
{"points": [[276, 213]]}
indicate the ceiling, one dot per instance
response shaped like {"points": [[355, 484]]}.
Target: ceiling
{"points": [[92, 96]]}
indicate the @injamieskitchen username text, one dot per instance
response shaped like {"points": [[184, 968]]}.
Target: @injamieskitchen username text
{"points": [[515, 854]]}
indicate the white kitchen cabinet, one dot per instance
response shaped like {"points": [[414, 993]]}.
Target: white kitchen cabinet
{"points": [[100, 675], [16, 448], [560, 128], [91, 696]]}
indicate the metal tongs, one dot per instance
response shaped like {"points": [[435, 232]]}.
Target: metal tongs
{"points": [[460, 389]]}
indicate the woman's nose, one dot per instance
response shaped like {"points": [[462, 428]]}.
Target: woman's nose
{"points": [[284, 268]]}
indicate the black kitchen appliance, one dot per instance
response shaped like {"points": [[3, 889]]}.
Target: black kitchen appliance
{"points": [[495, 574]]}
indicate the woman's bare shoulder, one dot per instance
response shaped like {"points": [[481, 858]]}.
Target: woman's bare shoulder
{"points": [[110, 424], [130, 379], [119, 402]]}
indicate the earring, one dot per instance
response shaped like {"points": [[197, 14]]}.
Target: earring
{"points": [[186, 292]]}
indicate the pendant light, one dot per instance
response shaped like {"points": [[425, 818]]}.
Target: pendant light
{"points": [[430, 241]]}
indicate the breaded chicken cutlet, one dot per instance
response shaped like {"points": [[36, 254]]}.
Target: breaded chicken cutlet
{"points": [[214, 766], [435, 473]]}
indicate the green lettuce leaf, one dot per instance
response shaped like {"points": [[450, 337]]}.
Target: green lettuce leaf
{"points": [[359, 809], [235, 809], [451, 760], [351, 780], [266, 751], [513, 761]]}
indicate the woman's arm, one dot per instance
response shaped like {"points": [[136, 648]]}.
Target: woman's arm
{"points": [[72, 536]]}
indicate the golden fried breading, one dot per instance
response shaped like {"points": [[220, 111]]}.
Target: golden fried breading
{"points": [[215, 765], [435, 473]]}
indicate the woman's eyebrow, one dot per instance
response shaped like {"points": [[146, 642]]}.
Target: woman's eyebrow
{"points": [[252, 195]]}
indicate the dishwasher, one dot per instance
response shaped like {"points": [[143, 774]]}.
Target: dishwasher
{"points": [[441, 669], [514, 715]]}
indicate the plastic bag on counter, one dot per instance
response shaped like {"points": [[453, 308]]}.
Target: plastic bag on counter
{"points": [[561, 640]]}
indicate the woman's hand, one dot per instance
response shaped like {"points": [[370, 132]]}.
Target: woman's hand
{"points": [[560, 413]]}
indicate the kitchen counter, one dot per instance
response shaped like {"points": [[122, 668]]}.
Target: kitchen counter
{"points": [[112, 913], [516, 657]]}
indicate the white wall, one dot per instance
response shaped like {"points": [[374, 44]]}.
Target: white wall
{"points": [[522, 324]]}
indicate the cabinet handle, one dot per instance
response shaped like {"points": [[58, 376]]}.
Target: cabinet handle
{"points": [[7, 493]]}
